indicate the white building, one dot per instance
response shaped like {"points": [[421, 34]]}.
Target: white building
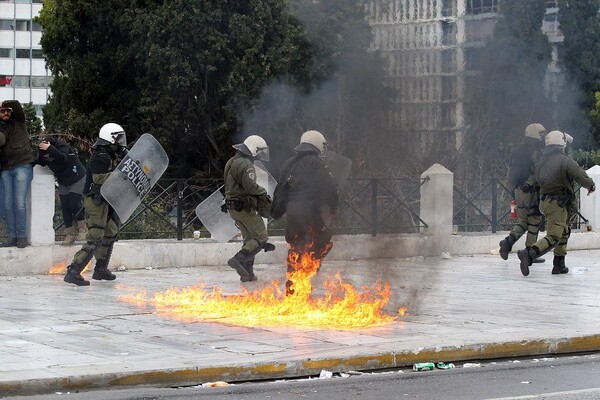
{"points": [[431, 47], [23, 75]]}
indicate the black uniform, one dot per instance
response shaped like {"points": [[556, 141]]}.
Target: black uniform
{"points": [[311, 192]]}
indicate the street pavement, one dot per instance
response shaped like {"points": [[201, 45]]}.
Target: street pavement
{"points": [[56, 337]]}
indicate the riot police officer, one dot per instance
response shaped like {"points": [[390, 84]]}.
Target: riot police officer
{"points": [[556, 172], [311, 194], [247, 202], [526, 189], [102, 221]]}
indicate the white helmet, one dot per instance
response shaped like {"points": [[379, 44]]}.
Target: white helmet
{"points": [[254, 146], [558, 138], [112, 133], [311, 139], [535, 131]]}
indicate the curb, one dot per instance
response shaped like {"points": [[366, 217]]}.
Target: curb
{"points": [[293, 369]]}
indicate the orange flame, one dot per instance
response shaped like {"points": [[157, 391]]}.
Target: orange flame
{"points": [[341, 307], [61, 268]]}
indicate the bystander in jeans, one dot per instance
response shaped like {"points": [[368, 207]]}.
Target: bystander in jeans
{"points": [[16, 170]]}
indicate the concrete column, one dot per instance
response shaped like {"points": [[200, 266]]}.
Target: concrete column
{"points": [[590, 205], [436, 200], [40, 210]]}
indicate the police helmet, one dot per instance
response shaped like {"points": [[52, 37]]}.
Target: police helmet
{"points": [[112, 133], [535, 131], [254, 146], [558, 138], [312, 140]]}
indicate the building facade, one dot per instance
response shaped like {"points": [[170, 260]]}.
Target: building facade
{"points": [[23, 75], [430, 48]]}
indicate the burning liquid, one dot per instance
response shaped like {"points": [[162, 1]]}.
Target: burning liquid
{"points": [[341, 307], [61, 268]]}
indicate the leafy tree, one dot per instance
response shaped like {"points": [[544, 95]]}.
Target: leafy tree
{"points": [[191, 73], [580, 56], [32, 121]]}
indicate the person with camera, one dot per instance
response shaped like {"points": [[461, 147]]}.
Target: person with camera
{"points": [[62, 159]]}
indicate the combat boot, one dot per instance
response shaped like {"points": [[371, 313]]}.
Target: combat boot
{"points": [[538, 260], [249, 267], [238, 261], [69, 236], [559, 266], [101, 272], [506, 245], [73, 275], [81, 231], [526, 256]]}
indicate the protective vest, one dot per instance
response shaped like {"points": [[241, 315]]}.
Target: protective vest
{"points": [[556, 172]]}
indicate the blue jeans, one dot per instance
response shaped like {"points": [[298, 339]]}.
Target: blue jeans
{"points": [[17, 182]]}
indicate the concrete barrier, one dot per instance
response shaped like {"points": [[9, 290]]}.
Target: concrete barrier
{"points": [[161, 253]]}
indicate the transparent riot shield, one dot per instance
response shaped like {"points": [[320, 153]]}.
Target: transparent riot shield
{"points": [[135, 175], [219, 224], [264, 178], [340, 168]]}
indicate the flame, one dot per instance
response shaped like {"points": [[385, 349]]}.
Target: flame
{"points": [[341, 306], [61, 268]]}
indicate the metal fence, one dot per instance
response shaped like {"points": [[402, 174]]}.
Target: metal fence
{"points": [[367, 206]]}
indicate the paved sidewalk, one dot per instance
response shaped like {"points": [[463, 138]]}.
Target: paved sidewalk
{"points": [[58, 337]]}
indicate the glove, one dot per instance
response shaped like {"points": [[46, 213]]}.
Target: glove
{"points": [[122, 151], [592, 190], [224, 207]]}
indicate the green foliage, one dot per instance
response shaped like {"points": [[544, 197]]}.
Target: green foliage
{"points": [[586, 158], [580, 56], [187, 71], [32, 121]]}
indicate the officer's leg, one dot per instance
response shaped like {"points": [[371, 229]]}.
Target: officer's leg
{"points": [[556, 220], [560, 251], [255, 237], [534, 220], [104, 252], [96, 223], [296, 235]]}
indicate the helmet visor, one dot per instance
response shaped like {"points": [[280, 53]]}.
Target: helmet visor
{"points": [[120, 139], [262, 153]]}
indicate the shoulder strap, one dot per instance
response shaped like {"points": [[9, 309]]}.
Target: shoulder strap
{"points": [[292, 168]]}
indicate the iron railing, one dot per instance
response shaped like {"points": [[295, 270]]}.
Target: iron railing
{"points": [[367, 206]]}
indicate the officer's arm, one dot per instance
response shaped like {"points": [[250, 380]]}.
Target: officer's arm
{"points": [[100, 167], [248, 181], [579, 174]]}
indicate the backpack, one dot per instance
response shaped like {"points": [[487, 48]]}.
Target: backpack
{"points": [[281, 194]]}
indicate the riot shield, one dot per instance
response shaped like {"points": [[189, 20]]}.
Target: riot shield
{"points": [[219, 224], [264, 178], [135, 175], [340, 168]]}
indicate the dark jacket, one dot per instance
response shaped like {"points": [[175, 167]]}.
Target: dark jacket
{"points": [[99, 168], [62, 159], [310, 180], [556, 172], [17, 149], [524, 157]]}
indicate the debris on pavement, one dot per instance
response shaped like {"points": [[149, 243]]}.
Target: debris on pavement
{"points": [[442, 365], [426, 366], [325, 374], [215, 384]]}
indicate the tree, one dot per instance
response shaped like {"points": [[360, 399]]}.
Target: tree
{"points": [[32, 121], [580, 57]]}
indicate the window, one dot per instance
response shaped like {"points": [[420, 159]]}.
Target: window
{"points": [[482, 6], [5, 53], [37, 53], [36, 27], [22, 53], [6, 24], [20, 81]]}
